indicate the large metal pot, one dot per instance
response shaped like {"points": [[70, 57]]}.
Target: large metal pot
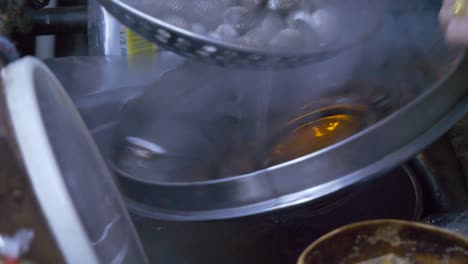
{"points": [[252, 239], [424, 81], [258, 238]]}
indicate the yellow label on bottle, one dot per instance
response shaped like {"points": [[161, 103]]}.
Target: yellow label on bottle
{"points": [[137, 45]]}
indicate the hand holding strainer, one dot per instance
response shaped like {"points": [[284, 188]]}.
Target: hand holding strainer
{"points": [[454, 20]]}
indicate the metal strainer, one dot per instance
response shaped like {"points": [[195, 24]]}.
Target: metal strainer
{"points": [[258, 33]]}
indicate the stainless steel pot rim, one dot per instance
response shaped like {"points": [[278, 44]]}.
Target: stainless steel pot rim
{"points": [[361, 157], [344, 142], [283, 202], [367, 173], [210, 41]]}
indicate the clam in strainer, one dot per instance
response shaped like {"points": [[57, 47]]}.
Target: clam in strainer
{"points": [[258, 33]]}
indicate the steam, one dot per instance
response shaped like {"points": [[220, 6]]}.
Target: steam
{"points": [[213, 122]]}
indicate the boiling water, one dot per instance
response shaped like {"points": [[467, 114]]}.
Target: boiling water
{"points": [[314, 136]]}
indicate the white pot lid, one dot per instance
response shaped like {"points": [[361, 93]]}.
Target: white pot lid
{"points": [[70, 179]]}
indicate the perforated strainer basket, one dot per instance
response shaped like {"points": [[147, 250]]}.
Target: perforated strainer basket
{"points": [[256, 33]]}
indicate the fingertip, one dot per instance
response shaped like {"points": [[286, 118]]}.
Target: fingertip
{"points": [[457, 32]]}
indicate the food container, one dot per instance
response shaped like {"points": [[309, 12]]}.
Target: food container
{"points": [[387, 241]]}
